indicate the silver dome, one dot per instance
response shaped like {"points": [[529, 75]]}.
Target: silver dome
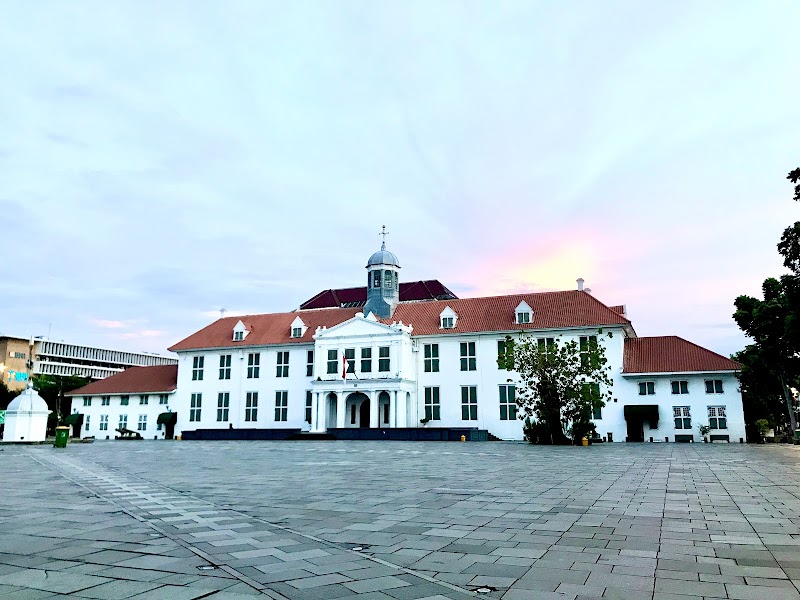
{"points": [[383, 257]]}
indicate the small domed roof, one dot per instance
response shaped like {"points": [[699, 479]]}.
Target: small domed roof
{"points": [[383, 257], [28, 402]]}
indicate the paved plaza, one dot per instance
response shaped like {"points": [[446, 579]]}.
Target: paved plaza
{"points": [[399, 521]]}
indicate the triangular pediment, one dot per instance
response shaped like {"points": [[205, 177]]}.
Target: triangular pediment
{"points": [[355, 327]]}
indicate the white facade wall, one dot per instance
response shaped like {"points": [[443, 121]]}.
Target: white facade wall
{"points": [[93, 413]]}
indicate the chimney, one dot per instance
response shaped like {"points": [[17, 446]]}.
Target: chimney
{"points": [[580, 284]]}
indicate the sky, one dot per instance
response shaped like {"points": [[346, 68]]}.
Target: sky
{"points": [[162, 160]]}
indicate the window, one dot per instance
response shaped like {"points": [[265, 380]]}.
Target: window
{"points": [[591, 391], [469, 403], [87, 401], [251, 406], [238, 336], [366, 360], [106, 400], [195, 404], [297, 332], [716, 417], [333, 361], [87, 422], [683, 418], [225, 366], [680, 387], [447, 323], [352, 414], [163, 398], [523, 317], [546, 344], [103, 422], [431, 358], [282, 368], [383, 359], [197, 368], [432, 412], [588, 344], [386, 413], [309, 403], [142, 424], [310, 363], [281, 405], [508, 402], [467, 356], [376, 279], [253, 365], [144, 399], [123, 421], [223, 404], [647, 388], [714, 386], [350, 355], [387, 280]]}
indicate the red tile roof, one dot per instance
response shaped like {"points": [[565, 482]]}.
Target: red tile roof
{"points": [[411, 291], [620, 308], [551, 310], [672, 354], [135, 380]]}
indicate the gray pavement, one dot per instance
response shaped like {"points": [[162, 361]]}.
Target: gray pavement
{"points": [[399, 521]]}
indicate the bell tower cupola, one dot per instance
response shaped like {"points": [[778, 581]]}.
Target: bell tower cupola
{"points": [[383, 282]]}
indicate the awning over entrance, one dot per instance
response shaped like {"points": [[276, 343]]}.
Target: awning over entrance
{"points": [[642, 412], [73, 419], [167, 418]]}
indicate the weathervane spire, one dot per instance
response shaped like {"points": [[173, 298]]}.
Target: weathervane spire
{"points": [[383, 233]]}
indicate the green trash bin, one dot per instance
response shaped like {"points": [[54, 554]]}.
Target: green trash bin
{"points": [[62, 436], [797, 437]]}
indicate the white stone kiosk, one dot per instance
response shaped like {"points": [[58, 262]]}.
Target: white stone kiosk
{"points": [[26, 418]]}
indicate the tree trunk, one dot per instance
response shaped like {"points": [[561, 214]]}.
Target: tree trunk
{"points": [[788, 395]]}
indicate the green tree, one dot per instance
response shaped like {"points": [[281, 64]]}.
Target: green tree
{"points": [[560, 384], [6, 395], [773, 323], [52, 389]]}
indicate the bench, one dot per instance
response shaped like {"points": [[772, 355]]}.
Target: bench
{"points": [[128, 434]]}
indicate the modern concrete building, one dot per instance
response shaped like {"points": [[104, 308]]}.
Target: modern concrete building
{"points": [[386, 365], [52, 357]]}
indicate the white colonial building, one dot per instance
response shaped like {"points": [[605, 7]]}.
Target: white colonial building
{"points": [[412, 361]]}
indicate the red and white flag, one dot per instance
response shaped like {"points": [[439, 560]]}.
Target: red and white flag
{"points": [[345, 364]]}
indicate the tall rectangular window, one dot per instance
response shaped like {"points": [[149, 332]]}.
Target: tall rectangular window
{"points": [[680, 387], [123, 421], [195, 405], [310, 363], [253, 365], [713, 386], [376, 279], [333, 361], [350, 355], [123, 400], [588, 344], [251, 406], [103, 422], [309, 404], [591, 393], [163, 398], [86, 422], [225, 366], [717, 418], [223, 405], [469, 403], [281, 405], [647, 388], [144, 399], [87, 401], [197, 368], [383, 359], [431, 352], [142, 424], [683, 417], [508, 402], [432, 408], [366, 360], [282, 368], [468, 356]]}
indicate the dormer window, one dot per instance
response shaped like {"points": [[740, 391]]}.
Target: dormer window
{"points": [[297, 328], [240, 332], [524, 313], [448, 318]]}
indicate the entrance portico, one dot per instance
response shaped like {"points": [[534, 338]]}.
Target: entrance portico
{"points": [[370, 404]]}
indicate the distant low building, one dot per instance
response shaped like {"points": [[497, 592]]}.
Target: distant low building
{"points": [[61, 358]]}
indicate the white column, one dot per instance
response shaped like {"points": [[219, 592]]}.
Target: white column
{"points": [[374, 412], [315, 422], [340, 416], [393, 410]]}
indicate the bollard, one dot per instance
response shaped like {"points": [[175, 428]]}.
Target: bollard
{"points": [[463, 438], [585, 441]]}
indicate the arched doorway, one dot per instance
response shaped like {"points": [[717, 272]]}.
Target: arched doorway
{"points": [[331, 411], [357, 410], [384, 402], [363, 412]]}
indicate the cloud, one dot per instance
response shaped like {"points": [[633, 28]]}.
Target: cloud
{"points": [[106, 324]]}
